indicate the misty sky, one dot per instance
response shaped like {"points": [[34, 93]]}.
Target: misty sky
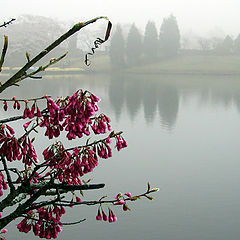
{"points": [[202, 16]]}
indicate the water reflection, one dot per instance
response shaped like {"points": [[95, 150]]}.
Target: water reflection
{"points": [[158, 96], [196, 164], [152, 94], [116, 93], [133, 93], [168, 104]]}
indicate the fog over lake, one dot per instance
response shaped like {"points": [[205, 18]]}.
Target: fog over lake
{"points": [[183, 136], [169, 78]]}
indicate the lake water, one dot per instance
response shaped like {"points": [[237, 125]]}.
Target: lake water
{"points": [[183, 134]]}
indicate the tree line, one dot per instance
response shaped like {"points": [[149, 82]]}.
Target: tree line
{"points": [[152, 46], [227, 45]]}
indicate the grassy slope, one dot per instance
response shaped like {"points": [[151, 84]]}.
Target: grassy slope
{"points": [[194, 64], [178, 65]]}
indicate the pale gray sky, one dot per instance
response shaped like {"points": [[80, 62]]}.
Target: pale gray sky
{"points": [[201, 16]]}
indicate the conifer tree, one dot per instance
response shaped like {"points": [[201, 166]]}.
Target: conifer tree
{"points": [[117, 49], [134, 46], [169, 38], [150, 42]]}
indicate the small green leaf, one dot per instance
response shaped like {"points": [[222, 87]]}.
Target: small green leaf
{"points": [[154, 190], [28, 56], [81, 192], [149, 186], [149, 197]]}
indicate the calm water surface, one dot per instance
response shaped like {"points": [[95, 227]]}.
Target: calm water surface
{"points": [[183, 134]]}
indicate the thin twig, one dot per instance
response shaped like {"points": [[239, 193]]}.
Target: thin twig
{"points": [[55, 223], [11, 119], [7, 23], [40, 69]]}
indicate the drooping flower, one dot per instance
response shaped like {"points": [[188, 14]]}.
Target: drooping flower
{"points": [[99, 215], [5, 106], [105, 217]]}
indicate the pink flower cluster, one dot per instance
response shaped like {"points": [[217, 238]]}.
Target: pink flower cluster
{"points": [[101, 215], [31, 113], [121, 200], [75, 115], [16, 104], [73, 164], [101, 124], [121, 143], [14, 149], [47, 225]]}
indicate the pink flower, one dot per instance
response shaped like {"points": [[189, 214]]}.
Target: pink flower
{"points": [[39, 114], [95, 98], [111, 216], [26, 124], [78, 199], [99, 216], [118, 196], [4, 230], [121, 143], [105, 217], [27, 113], [5, 106], [10, 129], [120, 202], [125, 207], [128, 194]]}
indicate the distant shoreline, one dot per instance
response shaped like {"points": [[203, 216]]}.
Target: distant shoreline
{"points": [[180, 65]]}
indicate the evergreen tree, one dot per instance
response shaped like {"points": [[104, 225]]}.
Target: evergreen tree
{"points": [[227, 45], [150, 42], [134, 46], [236, 46], [117, 49], [169, 38]]}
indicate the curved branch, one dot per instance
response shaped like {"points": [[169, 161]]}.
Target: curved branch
{"points": [[23, 70]]}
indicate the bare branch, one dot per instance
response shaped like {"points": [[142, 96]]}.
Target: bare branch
{"points": [[7, 23], [67, 187], [60, 223]]}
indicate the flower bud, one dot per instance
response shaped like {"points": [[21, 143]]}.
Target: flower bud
{"points": [[154, 190], [120, 202], [4, 230]]}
